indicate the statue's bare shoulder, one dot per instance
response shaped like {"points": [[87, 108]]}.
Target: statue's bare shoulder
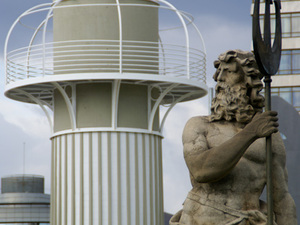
{"points": [[194, 135], [194, 127]]}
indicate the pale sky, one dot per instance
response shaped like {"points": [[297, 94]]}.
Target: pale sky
{"points": [[224, 24]]}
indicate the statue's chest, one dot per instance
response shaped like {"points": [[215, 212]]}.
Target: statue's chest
{"points": [[219, 134]]}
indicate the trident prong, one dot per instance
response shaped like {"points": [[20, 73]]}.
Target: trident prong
{"points": [[267, 57]]}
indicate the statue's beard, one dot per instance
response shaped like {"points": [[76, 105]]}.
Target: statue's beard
{"points": [[233, 103]]}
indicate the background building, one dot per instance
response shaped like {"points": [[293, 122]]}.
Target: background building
{"points": [[22, 200], [286, 83]]}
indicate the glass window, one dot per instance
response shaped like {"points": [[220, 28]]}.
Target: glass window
{"points": [[274, 92], [287, 96], [296, 99], [296, 25], [290, 62], [261, 23], [296, 62], [273, 25], [286, 25], [290, 23], [288, 89], [285, 63], [296, 89]]}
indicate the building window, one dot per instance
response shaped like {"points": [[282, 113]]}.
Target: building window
{"points": [[289, 94], [290, 62], [295, 24], [290, 24], [296, 97]]}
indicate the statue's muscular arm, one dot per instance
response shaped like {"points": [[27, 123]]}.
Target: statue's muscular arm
{"points": [[211, 164], [284, 205]]}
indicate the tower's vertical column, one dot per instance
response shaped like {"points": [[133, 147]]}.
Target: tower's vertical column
{"points": [[107, 165], [107, 178]]}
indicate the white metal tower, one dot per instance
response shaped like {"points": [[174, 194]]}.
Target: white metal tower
{"points": [[100, 69]]}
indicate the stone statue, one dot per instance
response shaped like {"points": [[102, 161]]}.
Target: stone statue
{"points": [[225, 153]]}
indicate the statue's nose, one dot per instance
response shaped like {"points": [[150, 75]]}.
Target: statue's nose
{"points": [[221, 75]]}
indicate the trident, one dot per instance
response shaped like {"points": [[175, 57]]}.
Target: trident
{"points": [[268, 59]]}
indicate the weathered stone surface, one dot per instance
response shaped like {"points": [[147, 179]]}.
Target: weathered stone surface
{"points": [[225, 153]]}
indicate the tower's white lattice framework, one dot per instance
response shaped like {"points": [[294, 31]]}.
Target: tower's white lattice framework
{"points": [[100, 69]]}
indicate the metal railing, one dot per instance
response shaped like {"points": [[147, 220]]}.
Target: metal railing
{"points": [[103, 56]]}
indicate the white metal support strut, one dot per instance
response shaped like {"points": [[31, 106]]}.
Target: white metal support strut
{"points": [[171, 107], [37, 101], [68, 104], [115, 103], [157, 103]]}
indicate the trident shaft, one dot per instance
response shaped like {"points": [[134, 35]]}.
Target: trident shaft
{"points": [[268, 60]]}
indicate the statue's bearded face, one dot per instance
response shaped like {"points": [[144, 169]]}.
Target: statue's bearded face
{"points": [[237, 95], [230, 73]]}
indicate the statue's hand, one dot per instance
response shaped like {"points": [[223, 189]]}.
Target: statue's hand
{"points": [[263, 124]]}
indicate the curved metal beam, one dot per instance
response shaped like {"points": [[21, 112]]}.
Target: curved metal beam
{"points": [[37, 101], [198, 31], [31, 42], [12, 28], [68, 104], [157, 103], [172, 106], [49, 15], [120, 36], [187, 41]]}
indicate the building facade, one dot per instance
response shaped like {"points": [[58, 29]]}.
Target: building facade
{"points": [[286, 84]]}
